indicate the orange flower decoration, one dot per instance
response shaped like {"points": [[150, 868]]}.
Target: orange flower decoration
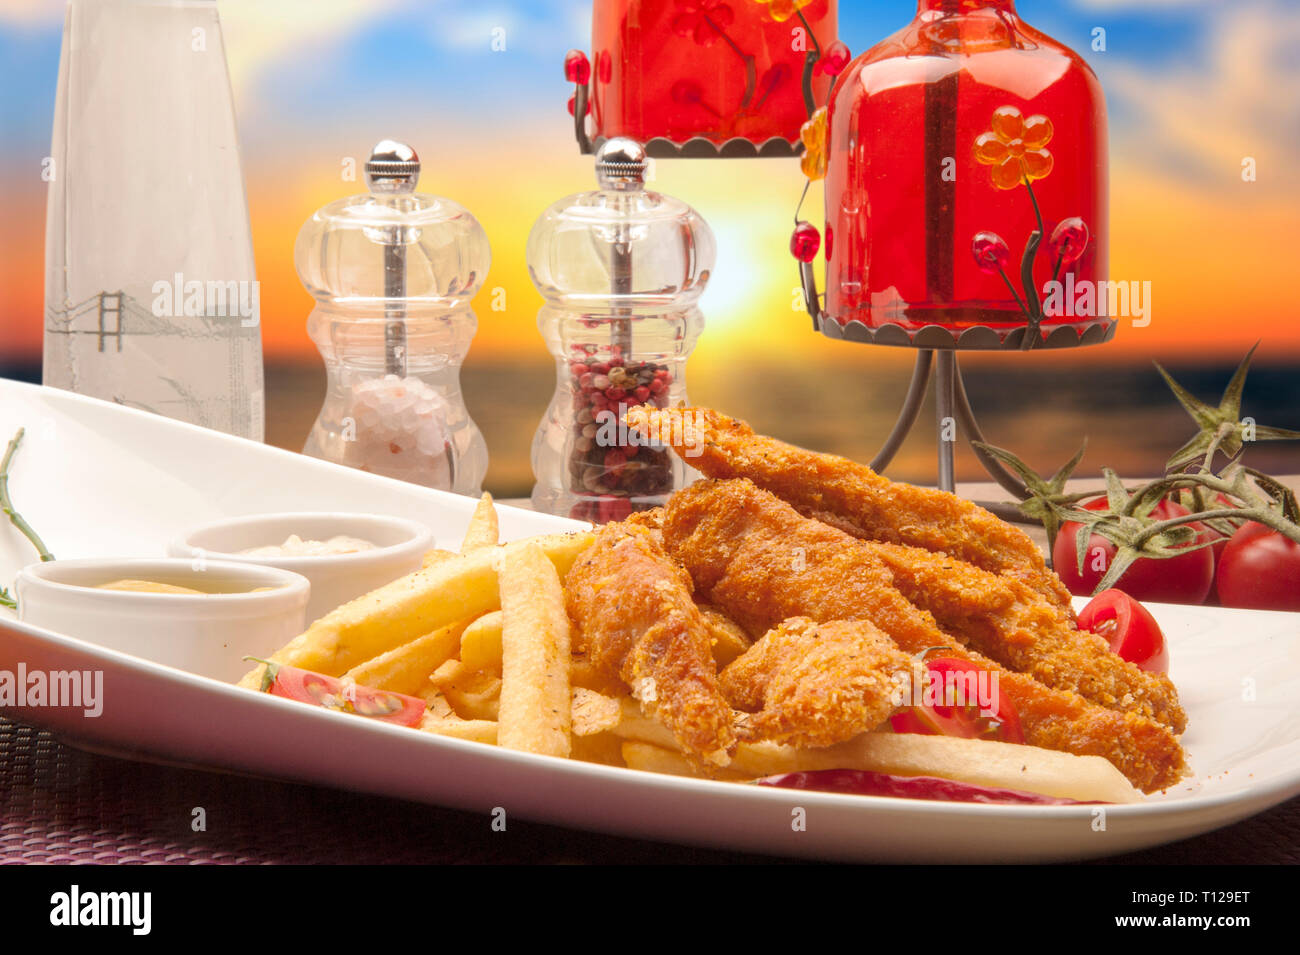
{"points": [[782, 10], [813, 134], [1014, 147]]}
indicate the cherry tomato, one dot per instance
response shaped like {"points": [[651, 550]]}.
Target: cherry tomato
{"points": [[1128, 627], [1260, 570], [1182, 579], [1220, 542], [949, 704], [866, 783], [317, 689]]}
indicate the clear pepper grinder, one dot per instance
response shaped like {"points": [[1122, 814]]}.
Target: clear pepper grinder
{"points": [[393, 272], [622, 269]]}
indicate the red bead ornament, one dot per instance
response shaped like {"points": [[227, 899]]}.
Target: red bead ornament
{"points": [[834, 59], [991, 252], [805, 241], [577, 69], [1070, 239], [573, 105]]}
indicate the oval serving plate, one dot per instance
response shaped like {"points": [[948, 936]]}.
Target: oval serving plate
{"points": [[1238, 674]]}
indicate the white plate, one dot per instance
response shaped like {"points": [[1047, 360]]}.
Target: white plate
{"points": [[100, 480]]}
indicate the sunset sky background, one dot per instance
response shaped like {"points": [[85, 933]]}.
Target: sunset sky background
{"points": [[1192, 88]]}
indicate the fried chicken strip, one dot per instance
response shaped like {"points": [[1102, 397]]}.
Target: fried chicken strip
{"points": [[635, 619], [851, 496], [1028, 629], [811, 684], [759, 559], [1006, 621]]}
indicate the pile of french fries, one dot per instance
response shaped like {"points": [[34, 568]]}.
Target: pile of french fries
{"points": [[484, 639]]}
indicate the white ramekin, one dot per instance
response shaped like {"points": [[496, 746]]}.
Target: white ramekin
{"points": [[207, 633], [335, 578]]}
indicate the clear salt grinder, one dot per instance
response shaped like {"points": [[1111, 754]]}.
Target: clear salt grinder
{"points": [[393, 272], [622, 269]]}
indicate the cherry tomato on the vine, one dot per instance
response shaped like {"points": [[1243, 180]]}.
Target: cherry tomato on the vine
{"points": [[1183, 579], [1260, 570]]}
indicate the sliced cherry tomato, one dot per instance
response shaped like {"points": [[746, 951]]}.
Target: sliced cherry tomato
{"points": [[332, 693], [865, 783], [1183, 579], [1128, 627], [1260, 570], [960, 698]]}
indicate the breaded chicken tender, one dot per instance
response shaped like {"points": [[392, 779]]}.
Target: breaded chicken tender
{"points": [[851, 496], [1007, 622], [635, 620], [811, 684], [761, 561]]}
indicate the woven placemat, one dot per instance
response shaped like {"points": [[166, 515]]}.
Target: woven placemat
{"points": [[59, 804]]}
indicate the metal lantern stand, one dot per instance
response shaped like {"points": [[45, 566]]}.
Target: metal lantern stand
{"points": [[937, 351]]}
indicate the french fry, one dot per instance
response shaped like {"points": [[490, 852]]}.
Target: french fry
{"points": [[535, 709], [478, 731], [584, 673], [406, 669], [655, 759], [729, 640], [480, 644], [483, 529], [982, 762], [594, 712], [455, 589], [436, 556], [473, 694], [658, 759], [636, 726], [438, 705], [445, 673], [603, 748]]}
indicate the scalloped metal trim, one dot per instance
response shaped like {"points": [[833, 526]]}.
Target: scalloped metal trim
{"points": [[977, 338], [701, 148]]}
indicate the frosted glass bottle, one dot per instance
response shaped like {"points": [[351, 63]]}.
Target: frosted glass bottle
{"points": [[151, 298]]}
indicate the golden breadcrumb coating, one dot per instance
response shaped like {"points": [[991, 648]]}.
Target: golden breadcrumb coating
{"points": [[763, 562], [851, 496], [635, 619], [1007, 622], [811, 684]]}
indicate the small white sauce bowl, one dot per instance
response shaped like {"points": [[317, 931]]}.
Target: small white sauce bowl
{"points": [[207, 633], [399, 550]]}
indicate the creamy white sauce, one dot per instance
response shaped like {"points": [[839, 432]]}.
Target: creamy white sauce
{"points": [[295, 546]]}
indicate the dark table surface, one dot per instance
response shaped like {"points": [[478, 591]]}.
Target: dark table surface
{"points": [[59, 804]]}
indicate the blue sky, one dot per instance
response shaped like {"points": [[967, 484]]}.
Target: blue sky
{"points": [[331, 60], [1192, 87]]}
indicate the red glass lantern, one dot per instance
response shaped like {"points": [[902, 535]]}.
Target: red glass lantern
{"points": [[705, 77], [966, 170]]}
